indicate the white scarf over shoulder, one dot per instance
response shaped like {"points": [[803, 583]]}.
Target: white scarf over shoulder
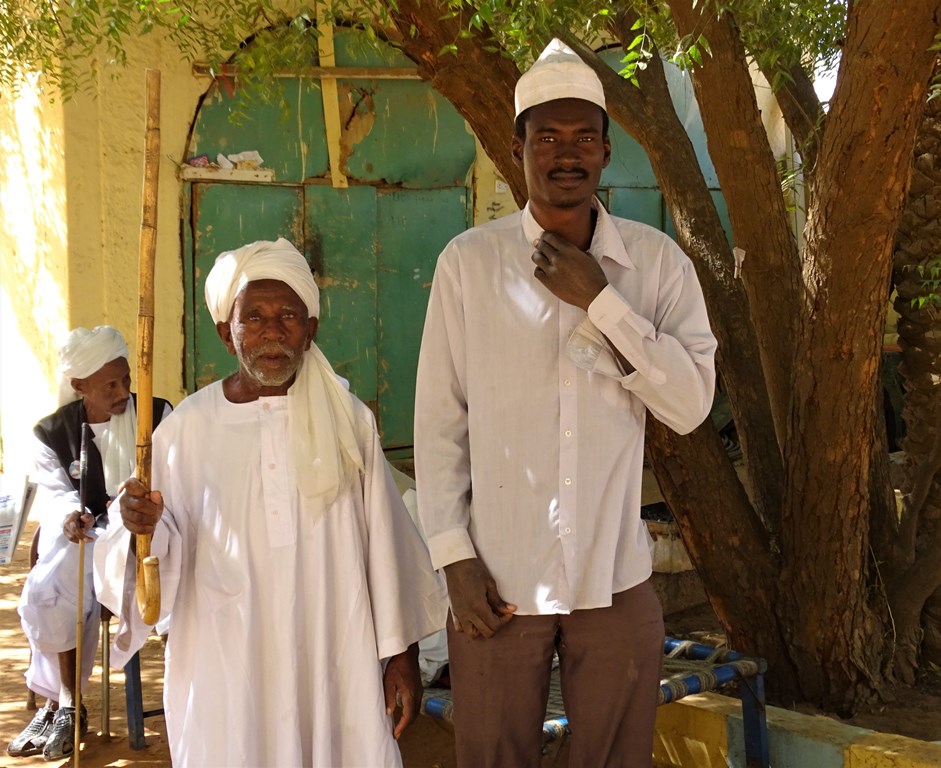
{"points": [[320, 412]]}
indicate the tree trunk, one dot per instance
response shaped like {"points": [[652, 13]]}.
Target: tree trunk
{"points": [[748, 177], [718, 526], [837, 641], [917, 250]]}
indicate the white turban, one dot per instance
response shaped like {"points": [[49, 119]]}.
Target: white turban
{"points": [[321, 422], [84, 353], [558, 73], [264, 260]]}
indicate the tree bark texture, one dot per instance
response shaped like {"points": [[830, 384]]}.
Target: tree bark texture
{"points": [[748, 177], [918, 247], [860, 185]]}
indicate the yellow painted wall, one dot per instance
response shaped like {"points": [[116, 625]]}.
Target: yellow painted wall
{"points": [[71, 179], [33, 264]]}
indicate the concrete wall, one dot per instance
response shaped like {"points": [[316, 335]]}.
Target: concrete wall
{"points": [[706, 731]]}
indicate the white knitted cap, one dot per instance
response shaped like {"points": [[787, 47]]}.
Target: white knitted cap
{"points": [[558, 73]]}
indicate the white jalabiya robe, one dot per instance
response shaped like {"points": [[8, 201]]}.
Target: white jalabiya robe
{"points": [[279, 618]]}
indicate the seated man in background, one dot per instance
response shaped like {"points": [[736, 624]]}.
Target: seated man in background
{"points": [[95, 388]]}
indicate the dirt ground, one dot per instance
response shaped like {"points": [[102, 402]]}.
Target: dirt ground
{"points": [[428, 744]]}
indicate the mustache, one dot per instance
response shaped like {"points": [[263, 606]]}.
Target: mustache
{"points": [[555, 172], [272, 347]]}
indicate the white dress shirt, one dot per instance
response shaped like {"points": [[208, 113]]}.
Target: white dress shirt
{"points": [[528, 459]]}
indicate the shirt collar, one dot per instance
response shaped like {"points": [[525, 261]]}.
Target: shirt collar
{"points": [[606, 241]]}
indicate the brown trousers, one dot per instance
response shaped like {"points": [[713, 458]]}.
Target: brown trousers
{"points": [[610, 663]]}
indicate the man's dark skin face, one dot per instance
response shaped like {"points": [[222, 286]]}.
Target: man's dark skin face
{"points": [[106, 392], [563, 152], [269, 331], [562, 155]]}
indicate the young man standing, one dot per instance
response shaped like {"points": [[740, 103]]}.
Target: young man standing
{"points": [[550, 334]]}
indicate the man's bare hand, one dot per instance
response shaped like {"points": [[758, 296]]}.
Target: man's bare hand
{"points": [[570, 273], [77, 525], [403, 688], [140, 508], [476, 606]]}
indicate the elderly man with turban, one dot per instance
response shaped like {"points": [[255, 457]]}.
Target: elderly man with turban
{"points": [[550, 335], [296, 583], [95, 387]]}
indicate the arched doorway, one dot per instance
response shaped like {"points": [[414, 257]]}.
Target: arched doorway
{"points": [[371, 225]]}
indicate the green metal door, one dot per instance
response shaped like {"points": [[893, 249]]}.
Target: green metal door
{"points": [[373, 240], [375, 250]]}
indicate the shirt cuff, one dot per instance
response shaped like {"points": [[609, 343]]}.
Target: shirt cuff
{"points": [[609, 308], [627, 331], [449, 547]]}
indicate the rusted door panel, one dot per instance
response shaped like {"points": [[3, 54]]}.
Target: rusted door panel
{"points": [[341, 243], [415, 138], [288, 135], [413, 226]]}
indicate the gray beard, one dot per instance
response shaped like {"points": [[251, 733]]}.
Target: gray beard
{"points": [[264, 377]]}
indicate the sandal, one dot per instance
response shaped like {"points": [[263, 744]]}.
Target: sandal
{"points": [[34, 736]]}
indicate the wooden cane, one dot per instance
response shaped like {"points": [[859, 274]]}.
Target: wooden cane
{"points": [[106, 677], [80, 621], [148, 568]]}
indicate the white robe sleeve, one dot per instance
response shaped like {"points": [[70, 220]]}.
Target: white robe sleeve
{"points": [[116, 566], [442, 443], [408, 599], [57, 496]]}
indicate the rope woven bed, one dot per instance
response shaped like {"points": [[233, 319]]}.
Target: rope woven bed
{"points": [[688, 668]]}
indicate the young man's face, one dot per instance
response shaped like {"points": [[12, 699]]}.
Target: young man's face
{"points": [[106, 392], [563, 153], [269, 331]]}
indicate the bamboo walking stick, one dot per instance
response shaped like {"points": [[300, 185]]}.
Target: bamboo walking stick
{"points": [[148, 568], [106, 678], [80, 621]]}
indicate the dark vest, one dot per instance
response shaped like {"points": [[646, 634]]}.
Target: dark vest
{"points": [[62, 432]]}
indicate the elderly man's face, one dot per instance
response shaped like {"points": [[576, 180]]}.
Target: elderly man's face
{"points": [[106, 392], [269, 331]]}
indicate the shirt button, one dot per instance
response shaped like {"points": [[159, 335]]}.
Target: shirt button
{"points": [[567, 382], [271, 466], [266, 406], [274, 512], [568, 481], [568, 433], [568, 530]]}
